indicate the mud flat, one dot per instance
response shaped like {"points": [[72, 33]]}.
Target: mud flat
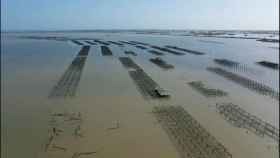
{"points": [[77, 42], [101, 42], [91, 43], [161, 63], [155, 52], [129, 63], [245, 82], [186, 50], [167, 50], [206, 91], [269, 64], [68, 83], [106, 51], [187, 135], [238, 117], [130, 52]]}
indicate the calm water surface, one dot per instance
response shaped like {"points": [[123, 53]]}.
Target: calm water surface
{"points": [[106, 93]]}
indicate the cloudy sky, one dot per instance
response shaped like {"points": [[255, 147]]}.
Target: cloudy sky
{"points": [[139, 14]]}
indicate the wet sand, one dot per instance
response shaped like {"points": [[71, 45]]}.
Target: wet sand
{"points": [[106, 94]]}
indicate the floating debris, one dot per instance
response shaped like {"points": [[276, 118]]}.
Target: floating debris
{"points": [[155, 52], [130, 52], [106, 51], [128, 63], [245, 82], [116, 43], [207, 92], [91, 43], [147, 86], [161, 63], [167, 50], [101, 42], [242, 119], [269, 64], [189, 137], [186, 50], [68, 83]]}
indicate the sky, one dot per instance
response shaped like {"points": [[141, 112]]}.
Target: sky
{"points": [[139, 14]]}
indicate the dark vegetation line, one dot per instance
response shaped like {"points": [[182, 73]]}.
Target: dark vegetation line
{"points": [[91, 43], [206, 91], [68, 83], [188, 136], [145, 84], [167, 50], [154, 52], [106, 51], [238, 117], [269, 64], [186, 50], [77, 42], [161, 63], [245, 82], [102, 42]]}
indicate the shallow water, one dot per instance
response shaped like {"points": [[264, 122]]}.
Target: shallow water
{"points": [[106, 93]]}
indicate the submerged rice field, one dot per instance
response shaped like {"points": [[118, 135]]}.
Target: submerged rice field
{"points": [[104, 94]]}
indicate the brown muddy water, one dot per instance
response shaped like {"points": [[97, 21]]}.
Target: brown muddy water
{"points": [[108, 116]]}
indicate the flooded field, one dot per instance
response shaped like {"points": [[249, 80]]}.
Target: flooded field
{"points": [[102, 94]]}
